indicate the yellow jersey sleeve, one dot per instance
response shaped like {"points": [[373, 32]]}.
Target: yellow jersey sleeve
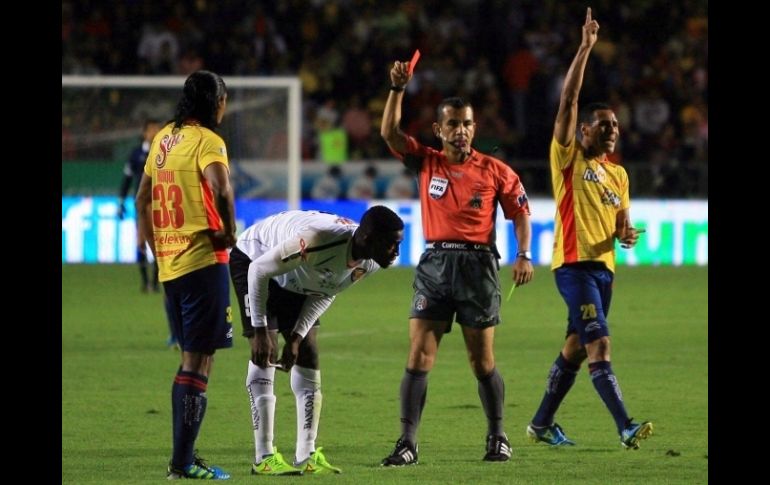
{"points": [[212, 150], [562, 156]]}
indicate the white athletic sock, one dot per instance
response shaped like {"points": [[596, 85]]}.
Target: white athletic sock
{"points": [[306, 384], [259, 385]]}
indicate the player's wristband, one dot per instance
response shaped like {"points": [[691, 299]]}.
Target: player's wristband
{"points": [[397, 89]]}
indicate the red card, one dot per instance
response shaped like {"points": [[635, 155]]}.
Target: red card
{"points": [[413, 62]]}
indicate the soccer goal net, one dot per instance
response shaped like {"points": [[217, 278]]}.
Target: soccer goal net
{"points": [[102, 119]]}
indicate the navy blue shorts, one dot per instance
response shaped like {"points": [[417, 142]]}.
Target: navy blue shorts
{"points": [[587, 289], [199, 308]]}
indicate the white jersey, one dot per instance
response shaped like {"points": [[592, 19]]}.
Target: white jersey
{"points": [[306, 252]]}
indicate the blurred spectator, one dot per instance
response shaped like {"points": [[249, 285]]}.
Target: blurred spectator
{"points": [[695, 131], [189, 62], [364, 186], [327, 116], [158, 49], [358, 125], [494, 135], [403, 186], [480, 77], [520, 66], [329, 186], [651, 113]]}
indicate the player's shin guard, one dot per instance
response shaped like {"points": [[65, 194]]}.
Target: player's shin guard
{"points": [[561, 377], [188, 405], [306, 384], [607, 386], [259, 386]]}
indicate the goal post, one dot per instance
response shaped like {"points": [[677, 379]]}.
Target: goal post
{"points": [[101, 115]]}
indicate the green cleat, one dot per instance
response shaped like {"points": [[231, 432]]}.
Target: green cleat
{"points": [[316, 464], [274, 465]]}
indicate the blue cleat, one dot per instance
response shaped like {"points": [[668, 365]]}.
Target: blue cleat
{"points": [[197, 470], [552, 435], [634, 433]]}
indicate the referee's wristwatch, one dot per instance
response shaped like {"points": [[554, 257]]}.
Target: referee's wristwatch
{"points": [[525, 254]]}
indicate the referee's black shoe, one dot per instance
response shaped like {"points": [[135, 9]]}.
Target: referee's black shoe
{"points": [[405, 453], [498, 448]]}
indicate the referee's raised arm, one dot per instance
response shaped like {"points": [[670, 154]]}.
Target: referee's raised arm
{"points": [[391, 116]]}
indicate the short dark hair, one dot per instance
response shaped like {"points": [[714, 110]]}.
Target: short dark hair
{"points": [[200, 99], [455, 102], [379, 220], [587, 113]]}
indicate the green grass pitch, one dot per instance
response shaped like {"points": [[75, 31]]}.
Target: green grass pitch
{"points": [[117, 376]]}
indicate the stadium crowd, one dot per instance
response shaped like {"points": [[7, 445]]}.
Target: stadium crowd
{"points": [[651, 66]]}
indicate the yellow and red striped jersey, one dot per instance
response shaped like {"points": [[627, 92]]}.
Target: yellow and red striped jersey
{"points": [[589, 194], [183, 210]]}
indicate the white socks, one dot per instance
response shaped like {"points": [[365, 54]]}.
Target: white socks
{"points": [[306, 384], [259, 385]]}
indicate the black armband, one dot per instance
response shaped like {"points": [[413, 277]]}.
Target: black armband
{"points": [[397, 89]]}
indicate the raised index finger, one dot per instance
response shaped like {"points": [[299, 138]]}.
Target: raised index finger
{"points": [[588, 15]]}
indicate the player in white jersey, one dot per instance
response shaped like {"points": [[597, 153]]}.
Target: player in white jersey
{"points": [[287, 270]]}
